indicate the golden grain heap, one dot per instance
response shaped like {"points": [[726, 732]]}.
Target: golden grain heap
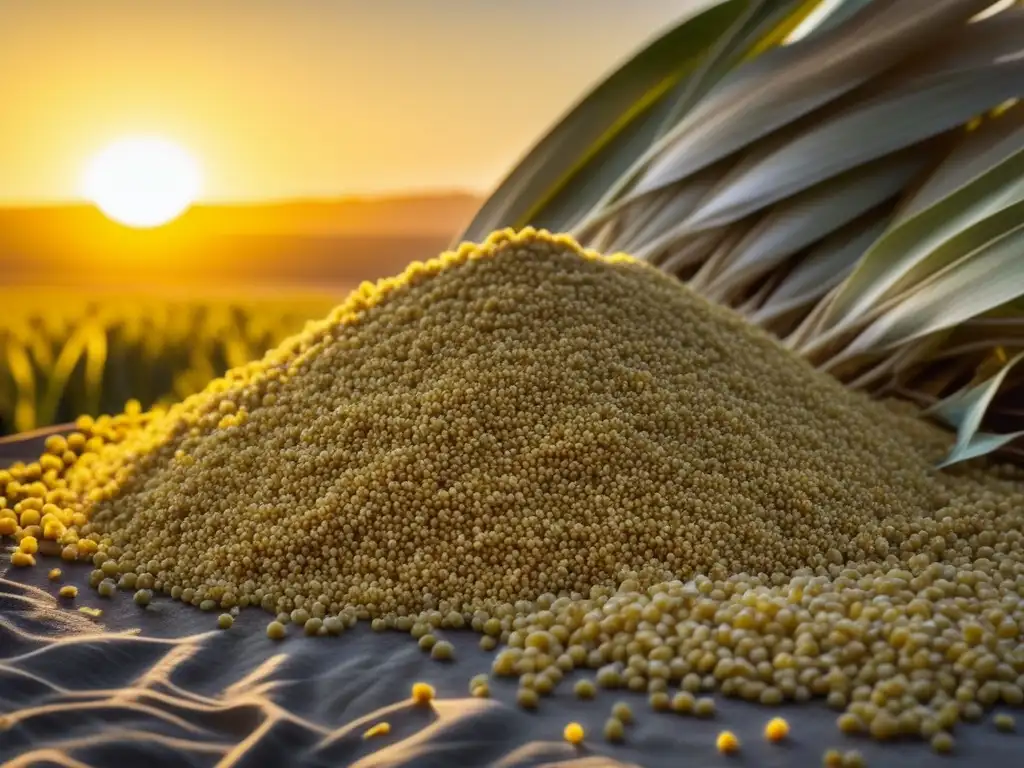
{"points": [[584, 460]]}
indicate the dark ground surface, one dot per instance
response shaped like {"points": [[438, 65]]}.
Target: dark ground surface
{"points": [[162, 686]]}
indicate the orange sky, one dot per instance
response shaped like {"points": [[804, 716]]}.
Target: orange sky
{"points": [[301, 99]]}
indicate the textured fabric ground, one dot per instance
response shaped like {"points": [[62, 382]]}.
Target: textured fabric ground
{"points": [[162, 686]]}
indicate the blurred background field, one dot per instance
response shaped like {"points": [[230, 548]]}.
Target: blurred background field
{"points": [[64, 354], [93, 314]]}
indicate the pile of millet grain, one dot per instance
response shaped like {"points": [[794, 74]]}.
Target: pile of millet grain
{"points": [[583, 460]]}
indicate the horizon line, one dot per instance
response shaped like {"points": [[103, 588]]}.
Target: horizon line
{"points": [[350, 197]]}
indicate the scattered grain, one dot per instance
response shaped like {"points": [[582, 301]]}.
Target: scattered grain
{"points": [[614, 730], [776, 729], [727, 743], [573, 733], [422, 693]]}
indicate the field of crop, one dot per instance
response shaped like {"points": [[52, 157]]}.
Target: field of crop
{"points": [[62, 354]]}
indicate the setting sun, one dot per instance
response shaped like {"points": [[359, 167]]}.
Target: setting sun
{"points": [[142, 182]]}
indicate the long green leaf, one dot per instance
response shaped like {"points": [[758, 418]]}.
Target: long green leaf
{"points": [[808, 216], [56, 383], [765, 24], [20, 367], [973, 235], [912, 242], [823, 268], [981, 281], [662, 230], [611, 108], [584, 202], [696, 250], [655, 216], [778, 89], [911, 113], [980, 444], [95, 364], [964, 411], [839, 13], [981, 150], [889, 367]]}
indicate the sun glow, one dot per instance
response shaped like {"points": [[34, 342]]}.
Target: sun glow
{"points": [[142, 181]]}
